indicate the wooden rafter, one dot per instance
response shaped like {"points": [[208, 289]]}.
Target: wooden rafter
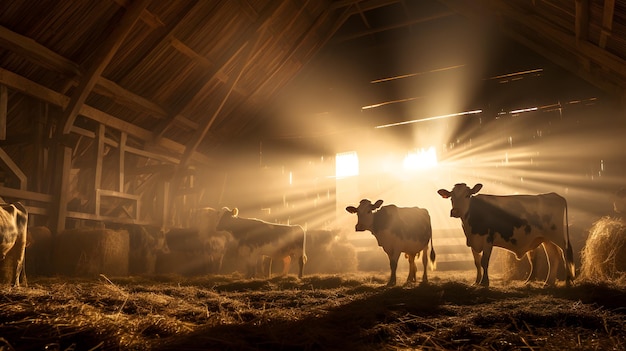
{"points": [[582, 19], [35, 90], [312, 29], [607, 22], [103, 57], [223, 63], [394, 26], [581, 51]]}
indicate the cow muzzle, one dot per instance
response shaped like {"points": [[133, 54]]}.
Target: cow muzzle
{"points": [[359, 228], [455, 213]]}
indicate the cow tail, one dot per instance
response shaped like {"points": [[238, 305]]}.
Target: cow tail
{"points": [[569, 252], [433, 262]]}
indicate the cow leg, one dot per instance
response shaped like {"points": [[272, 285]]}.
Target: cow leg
{"points": [[554, 253], [477, 259], [266, 266], [286, 265], [301, 263], [412, 269], [484, 263], [393, 264], [425, 264], [530, 257]]}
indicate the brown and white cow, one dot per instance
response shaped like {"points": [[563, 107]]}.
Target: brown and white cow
{"points": [[13, 236], [397, 230], [257, 239], [518, 223]]}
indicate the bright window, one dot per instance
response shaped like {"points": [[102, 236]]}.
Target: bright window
{"points": [[346, 164]]}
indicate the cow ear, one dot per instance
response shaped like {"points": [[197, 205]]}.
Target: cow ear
{"points": [[235, 212], [477, 188], [377, 204], [444, 193], [351, 209]]}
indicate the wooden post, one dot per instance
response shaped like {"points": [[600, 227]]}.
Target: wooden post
{"points": [[4, 111], [98, 168], [122, 151], [64, 163]]}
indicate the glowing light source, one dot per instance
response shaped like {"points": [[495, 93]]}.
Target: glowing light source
{"points": [[422, 159], [346, 164]]}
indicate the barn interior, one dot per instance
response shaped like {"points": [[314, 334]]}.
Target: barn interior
{"points": [[141, 112]]}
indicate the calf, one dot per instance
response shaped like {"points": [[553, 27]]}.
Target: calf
{"points": [[518, 223], [257, 239], [13, 236], [397, 230]]}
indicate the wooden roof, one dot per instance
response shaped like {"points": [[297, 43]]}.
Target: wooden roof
{"points": [[177, 75]]}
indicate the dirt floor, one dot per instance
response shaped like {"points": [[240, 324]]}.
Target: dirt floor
{"points": [[321, 312]]}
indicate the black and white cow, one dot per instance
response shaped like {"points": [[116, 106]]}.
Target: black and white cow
{"points": [[397, 230], [257, 239], [518, 223], [13, 235]]}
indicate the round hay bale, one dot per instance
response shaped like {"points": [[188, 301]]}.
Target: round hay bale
{"points": [[90, 252], [604, 254]]}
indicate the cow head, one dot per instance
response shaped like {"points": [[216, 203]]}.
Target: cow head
{"points": [[460, 197], [225, 217], [365, 214]]}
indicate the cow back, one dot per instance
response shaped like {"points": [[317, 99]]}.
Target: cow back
{"points": [[404, 222]]}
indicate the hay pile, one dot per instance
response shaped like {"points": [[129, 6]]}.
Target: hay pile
{"points": [[604, 254]]}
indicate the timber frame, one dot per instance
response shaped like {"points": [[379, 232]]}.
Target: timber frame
{"points": [[110, 109]]}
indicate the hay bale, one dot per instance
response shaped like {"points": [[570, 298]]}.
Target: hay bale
{"points": [[604, 254], [90, 252], [39, 251]]}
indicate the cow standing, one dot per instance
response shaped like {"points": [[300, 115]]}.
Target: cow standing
{"points": [[397, 230], [518, 223], [13, 235], [257, 239]]}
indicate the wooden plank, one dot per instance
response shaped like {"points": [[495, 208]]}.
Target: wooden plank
{"points": [[122, 158], [103, 57], [98, 167], [40, 92], [15, 169], [4, 111], [607, 22], [25, 194], [118, 194], [64, 164], [41, 55], [582, 19]]}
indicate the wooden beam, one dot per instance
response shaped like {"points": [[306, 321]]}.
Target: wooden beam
{"points": [[103, 57], [394, 26], [581, 51], [225, 61], [40, 92], [37, 53], [103, 86], [14, 168], [607, 22], [582, 20], [311, 30], [122, 163], [64, 164], [4, 111]]}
